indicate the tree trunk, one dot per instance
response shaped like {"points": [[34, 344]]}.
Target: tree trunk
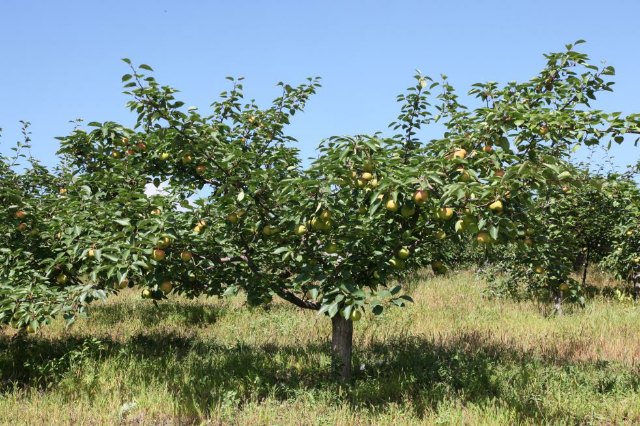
{"points": [[557, 300], [578, 261], [635, 280], [586, 266], [341, 345]]}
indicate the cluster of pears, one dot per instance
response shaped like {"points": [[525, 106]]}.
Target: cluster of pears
{"points": [[401, 255], [322, 222], [140, 146], [366, 177]]}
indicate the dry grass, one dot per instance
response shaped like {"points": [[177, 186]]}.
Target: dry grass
{"points": [[453, 357]]}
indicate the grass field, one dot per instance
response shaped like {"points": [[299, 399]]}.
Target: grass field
{"points": [[453, 357]]}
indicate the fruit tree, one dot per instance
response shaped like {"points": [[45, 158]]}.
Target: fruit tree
{"points": [[331, 236]]}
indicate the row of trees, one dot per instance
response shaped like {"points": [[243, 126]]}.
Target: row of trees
{"points": [[591, 220], [330, 237]]}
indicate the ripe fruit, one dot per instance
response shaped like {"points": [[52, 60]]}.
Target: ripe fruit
{"points": [[186, 159], [91, 254], [269, 230], [122, 284], [373, 182], [361, 183], [464, 175], [629, 232], [116, 154], [636, 260], [63, 190], [538, 270], [565, 189], [30, 329], [445, 213], [391, 205], [459, 153], [397, 263], [498, 173], [20, 214], [233, 218], [441, 235], [420, 197], [130, 151], [544, 130], [528, 241], [300, 229], [141, 146], [164, 156], [166, 286], [619, 248], [356, 315], [407, 211], [353, 175], [186, 256], [563, 287], [158, 254], [198, 229], [146, 293], [201, 169], [368, 167], [484, 238], [163, 242], [156, 211], [318, 224], [22, 227], [403, 253], [332, 248], [367, 176], [325, 215], [496, 206], [488, 149]]}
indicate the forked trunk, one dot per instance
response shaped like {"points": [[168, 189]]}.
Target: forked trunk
{"points": [[341, 346], [557, 301]]}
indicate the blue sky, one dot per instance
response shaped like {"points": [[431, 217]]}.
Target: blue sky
{"points": [[60, 60]]}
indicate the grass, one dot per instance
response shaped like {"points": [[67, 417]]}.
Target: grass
{"points": [[454, 357]]}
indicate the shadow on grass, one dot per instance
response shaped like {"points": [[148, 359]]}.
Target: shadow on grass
{"points": [[190, 314], [417, 373], [608, 292]]}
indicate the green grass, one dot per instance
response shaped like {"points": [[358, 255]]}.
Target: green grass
{"points": [[453, 357]]}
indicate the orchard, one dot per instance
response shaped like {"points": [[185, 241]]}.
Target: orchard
{"points": [[240, 212]]}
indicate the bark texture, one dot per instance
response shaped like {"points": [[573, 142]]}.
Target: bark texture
{"points": [[557, 301], [341, 347]]}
